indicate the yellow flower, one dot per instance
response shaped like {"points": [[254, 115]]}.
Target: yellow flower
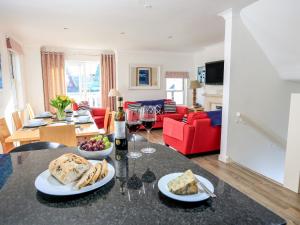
{"points": [[63, 97]]}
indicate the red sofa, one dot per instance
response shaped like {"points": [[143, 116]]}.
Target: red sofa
{"points": [[98, 115], [178, 115], [195, 136]]}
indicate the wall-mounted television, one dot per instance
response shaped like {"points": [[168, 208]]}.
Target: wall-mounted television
{"points": [[214, 73]]}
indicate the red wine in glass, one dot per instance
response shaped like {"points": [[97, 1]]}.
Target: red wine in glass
{"points": [[148, 123], [133, 127]]}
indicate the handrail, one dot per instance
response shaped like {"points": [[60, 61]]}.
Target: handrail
{"points": [[276, 139]]}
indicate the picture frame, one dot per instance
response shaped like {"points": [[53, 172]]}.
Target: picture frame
{"points": [[201, 74], [144, 76]]}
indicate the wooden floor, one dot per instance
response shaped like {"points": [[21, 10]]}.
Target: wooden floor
{"points": [[271, 195]]}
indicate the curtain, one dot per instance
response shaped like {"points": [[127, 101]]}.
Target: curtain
{"points": [[176, 74], [13, 45], [53, 71], [108, 79]]}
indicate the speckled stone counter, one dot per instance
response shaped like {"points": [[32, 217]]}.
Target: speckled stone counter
{"points": [[117, 202]]}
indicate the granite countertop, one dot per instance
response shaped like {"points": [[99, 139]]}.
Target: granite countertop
{"points": [[121, 201]]}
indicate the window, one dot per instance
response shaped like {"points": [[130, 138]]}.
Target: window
{"points": [[15, 79], [176, 90], [83, 82]]}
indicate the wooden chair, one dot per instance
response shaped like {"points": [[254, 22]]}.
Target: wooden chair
{"points": [[106, 120], [17, 120], [30, 111], [4, 133], [64, 134], [111, 122]]}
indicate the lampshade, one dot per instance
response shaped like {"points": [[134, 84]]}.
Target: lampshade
{"points": [[195, 84], [113, 93]]}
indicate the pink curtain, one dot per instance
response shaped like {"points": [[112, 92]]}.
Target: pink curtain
{"points": [[14, 45], [108, 79], [53, 71]]}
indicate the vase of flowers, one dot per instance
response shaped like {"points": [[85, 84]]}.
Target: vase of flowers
{"points": [[60, 103]]}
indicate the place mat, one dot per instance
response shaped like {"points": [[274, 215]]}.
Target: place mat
{"points": [[88, 122], [41, 125]]}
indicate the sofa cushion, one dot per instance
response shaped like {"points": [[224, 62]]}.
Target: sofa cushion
{"points": [[98, 111], [195, 116], [169, 106], [174, 116], [134, 106], [128, 103]]}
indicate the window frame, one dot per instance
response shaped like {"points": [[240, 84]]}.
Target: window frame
{"points": [[184, 90], [83, 81]]}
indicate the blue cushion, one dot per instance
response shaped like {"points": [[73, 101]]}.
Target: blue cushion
{"points": [[215, 117], [153, 102]]}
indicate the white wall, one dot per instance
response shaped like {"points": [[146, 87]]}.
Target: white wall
{"points": [[292, 165], [33, 77], [259, 94], [6, 95], [209, 53], [169, 62]]}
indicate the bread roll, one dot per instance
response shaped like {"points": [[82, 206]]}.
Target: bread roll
{"points": [[87, 177], [68, 167]]}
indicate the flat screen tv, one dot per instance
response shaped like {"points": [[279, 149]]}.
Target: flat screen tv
{"points": [[214, 73]]}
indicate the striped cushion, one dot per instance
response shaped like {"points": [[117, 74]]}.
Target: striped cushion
{"points": [[84, 105], [170, 107], [184, 119], [134, 106]]}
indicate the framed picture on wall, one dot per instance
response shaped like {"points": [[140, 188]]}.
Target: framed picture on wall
{"points": [[201, 74], [144, 76], [1, 76]]}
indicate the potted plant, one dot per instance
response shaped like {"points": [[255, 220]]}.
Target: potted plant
{"points": [[60, 103]]}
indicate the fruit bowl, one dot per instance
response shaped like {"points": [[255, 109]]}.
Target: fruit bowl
{"points": [[101, 154], [97, 147]]}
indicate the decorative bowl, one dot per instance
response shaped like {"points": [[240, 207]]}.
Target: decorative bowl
{"points": [[83, 119], [82, 112]]}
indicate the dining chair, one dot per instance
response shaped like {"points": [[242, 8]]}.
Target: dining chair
{"points": [[4, 133], [17, 120], [30, 111], [63, 134], [37, 146], [111, 122], [106, 120]]}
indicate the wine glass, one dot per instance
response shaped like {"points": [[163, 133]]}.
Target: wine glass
{"points": [[133, 124], [148, 118]]}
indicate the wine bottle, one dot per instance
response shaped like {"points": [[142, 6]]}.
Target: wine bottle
{"points": [[120, 131]]}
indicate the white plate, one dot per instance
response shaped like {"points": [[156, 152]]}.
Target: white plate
{"points": [[47, 184], [96, 154], [200, 196]]}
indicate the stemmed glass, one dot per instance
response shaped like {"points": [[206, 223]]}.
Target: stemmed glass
{"points": [[133, 124], [148, 118]]}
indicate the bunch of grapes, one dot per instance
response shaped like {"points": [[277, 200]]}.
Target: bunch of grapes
{"points": [[97, 143]]}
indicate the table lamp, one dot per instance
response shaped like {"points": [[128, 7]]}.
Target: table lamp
{"points": [[114, 93], [194, 84]]}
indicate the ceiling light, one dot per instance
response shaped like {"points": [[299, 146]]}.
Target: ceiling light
{"points": [[170, 37], [147, 4], [66, 28], [122, 33]]}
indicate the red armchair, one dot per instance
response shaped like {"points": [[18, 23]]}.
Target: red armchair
{"points": [[98, 115], [196, 136]]}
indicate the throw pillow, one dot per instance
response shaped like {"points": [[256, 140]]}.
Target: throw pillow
{"points": [[158, 109], [84, 105], [134, 106], [184, 119], [169, 107]]}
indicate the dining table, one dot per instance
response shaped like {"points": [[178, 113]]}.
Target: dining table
{"points": [[132, 197], [32, 134]]}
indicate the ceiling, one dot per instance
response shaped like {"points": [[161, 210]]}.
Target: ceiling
{"points": [[165, 25]]}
